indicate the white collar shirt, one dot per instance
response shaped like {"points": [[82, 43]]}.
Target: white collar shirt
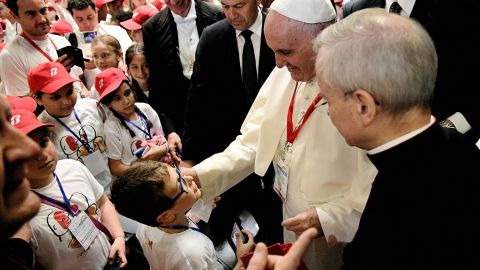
{"points": [[256, 38], [187, 39]]}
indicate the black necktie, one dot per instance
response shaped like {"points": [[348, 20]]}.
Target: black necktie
{"points": [[249, 68], [395, 8]]}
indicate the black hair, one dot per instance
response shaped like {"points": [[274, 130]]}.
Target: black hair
{"points": [[134, 49], [120, 16], [79, 5], [109, 98], [12, 5]]}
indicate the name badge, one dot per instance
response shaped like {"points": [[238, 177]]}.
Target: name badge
{"points": [[280, 165], [83, 229], [95, 163]]}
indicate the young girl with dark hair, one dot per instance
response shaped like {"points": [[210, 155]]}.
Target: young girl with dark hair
{"points": [[133, 130]]}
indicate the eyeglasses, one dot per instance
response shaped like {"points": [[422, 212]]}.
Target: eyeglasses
{"points": [[182, 182]]}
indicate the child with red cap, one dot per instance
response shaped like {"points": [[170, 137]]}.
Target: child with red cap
{"points": [[140, 15], [73, 204], [78, 127], [129, 125]]}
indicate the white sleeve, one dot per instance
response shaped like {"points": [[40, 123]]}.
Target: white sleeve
{"points": [[13, 73], [222, 171], [347, 210]]}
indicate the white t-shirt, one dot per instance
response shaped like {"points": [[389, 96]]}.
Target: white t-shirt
{"points": [[53, 244], [186, 250], [120, 145], [19, 57], [91, 131]]}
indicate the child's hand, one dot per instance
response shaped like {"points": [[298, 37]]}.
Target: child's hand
{"points": [[155, 152], [244, 248], [118, 249], [175, 147], [25, 233], [215, 201]]}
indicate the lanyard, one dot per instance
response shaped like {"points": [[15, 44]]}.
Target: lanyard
{"points": [[178, 227], [291, 133], [146, 130], [84, 141], [34, 45], [52, 202], [66, 206]]}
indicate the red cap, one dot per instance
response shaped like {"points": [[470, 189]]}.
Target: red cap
{"points": [[22, 103], [140, 15], [158, 4], [26, 121], [61, 27], [100, 3], [108, 81], [3, 1], [49, 77]]}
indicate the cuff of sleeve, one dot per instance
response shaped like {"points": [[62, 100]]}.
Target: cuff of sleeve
{"points": [[460, 122], [326, 222]]}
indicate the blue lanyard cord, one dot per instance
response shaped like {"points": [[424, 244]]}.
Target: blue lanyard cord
{"points": [[53, 202], [146, 131], [84, 143]]}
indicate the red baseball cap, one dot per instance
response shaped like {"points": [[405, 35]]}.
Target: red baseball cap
{"points": [[158, 4], [3, 1], [49, 77], [140, 15], [100, 3], [26, 121], [108, 81], [61, 27], [22, 103]]}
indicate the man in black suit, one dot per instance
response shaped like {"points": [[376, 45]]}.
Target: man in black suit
{"points": [[456, 95], [219, 101], [170, 39]]}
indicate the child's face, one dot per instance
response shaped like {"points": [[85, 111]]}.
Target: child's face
{"points": [[186, 197], [104, 56], [123, 101], [137, 36], [138, 68], [42, 165], [60, 103]]}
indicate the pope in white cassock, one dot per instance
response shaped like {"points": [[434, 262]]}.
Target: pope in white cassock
{"points": [[323, 182]]}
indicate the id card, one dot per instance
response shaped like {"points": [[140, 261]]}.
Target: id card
{"points": [[83, 229], [95, 163], [281, 171]]}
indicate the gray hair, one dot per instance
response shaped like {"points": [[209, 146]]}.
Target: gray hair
{"points": [[391, 57]]}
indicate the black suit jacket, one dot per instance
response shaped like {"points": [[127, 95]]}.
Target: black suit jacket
{"points": [[419, 214], [168, 87], [456, 89], [217, 102]]}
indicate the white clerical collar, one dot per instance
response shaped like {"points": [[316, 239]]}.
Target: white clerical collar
{"points": [[191, 16], [401, 139], [256, 27]]}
